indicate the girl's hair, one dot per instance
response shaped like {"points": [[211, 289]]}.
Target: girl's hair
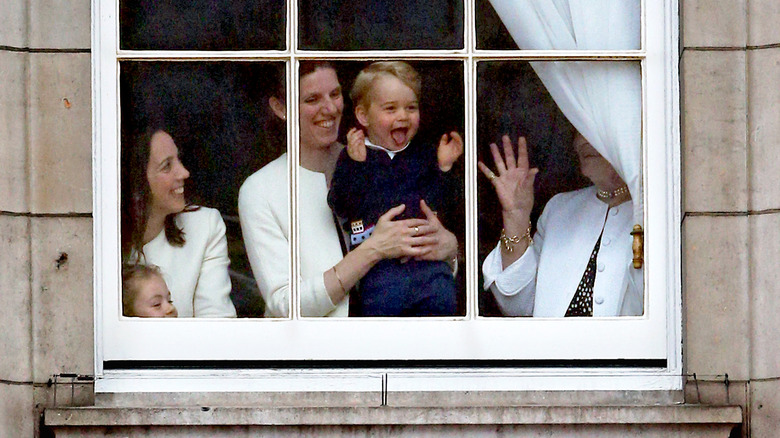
{"points": [[137, 196], [365, 79], [132, 275]]}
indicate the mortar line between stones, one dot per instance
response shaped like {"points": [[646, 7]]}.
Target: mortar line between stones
{"points": [[733, 48], [42, 50], [44, 215]]}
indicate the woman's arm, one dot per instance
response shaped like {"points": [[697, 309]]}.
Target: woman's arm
{"points": [[390, 239], [263, 209], [510, 269], [212, 293], [514, 185]]}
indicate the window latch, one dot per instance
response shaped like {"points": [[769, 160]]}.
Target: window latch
{"points": [[638, 246]]}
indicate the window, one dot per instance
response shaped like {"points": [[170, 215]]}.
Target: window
{"points": [[205, 72]]}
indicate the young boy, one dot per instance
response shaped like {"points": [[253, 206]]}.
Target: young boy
{"points": [[145, 294], [383, 168]]}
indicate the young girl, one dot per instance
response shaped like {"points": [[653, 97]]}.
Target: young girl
{"points": [[145, 294]]}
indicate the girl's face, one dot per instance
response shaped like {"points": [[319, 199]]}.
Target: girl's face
{"points": [[320, 108], [393, 114], [166, 175], [153, 299]]}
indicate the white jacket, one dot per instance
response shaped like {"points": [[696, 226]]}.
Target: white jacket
{"points": [[542, 282], [196, 273], [263, 208]]}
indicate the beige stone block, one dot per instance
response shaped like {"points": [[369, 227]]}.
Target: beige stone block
{"points": [[715, 391], [764, 408], [714, 110], [62, 297], [13, 32], [60, 24], [60, 133], [15, 310], [714, 23], [765, 295], [716, 296], [763, 16], [17, 416], [764, 110], [13, 131]]}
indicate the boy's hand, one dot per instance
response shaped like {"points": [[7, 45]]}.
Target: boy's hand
{"points": [[450, 148], [356, 144]]}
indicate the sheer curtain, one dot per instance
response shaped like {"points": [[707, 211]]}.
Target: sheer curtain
{"points": [[601, 99]]}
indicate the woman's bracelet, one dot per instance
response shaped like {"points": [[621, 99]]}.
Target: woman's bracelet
{"points": [[343, 289], [510, 242]]}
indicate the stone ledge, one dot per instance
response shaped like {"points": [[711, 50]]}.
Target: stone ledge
{"points": [[247, 416]]}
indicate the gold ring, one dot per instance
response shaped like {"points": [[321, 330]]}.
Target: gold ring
{"points": [[416, 230], [491, 176]]}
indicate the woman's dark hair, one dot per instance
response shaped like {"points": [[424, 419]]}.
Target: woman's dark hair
{"points": [[308, 67], [137, 196]]}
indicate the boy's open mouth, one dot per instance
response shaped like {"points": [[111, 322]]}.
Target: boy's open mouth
{"points": [[399, 135]]}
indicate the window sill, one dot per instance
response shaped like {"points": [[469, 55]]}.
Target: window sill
{"points": [[613, 420]]}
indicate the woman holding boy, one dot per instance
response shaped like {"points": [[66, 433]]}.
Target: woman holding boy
{"points": [[327, 273]]}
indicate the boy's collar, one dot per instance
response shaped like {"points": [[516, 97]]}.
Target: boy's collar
{"points": [[389, 153]]}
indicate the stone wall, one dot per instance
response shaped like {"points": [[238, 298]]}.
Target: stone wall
{"points": [[730, 70], [45, 204]]}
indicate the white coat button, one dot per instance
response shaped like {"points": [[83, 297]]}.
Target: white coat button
{"points": [[601, 267], [606, 241], [614, 211], [599, 300]]}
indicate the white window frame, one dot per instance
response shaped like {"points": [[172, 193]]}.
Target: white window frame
{"points": [[471, 338]]}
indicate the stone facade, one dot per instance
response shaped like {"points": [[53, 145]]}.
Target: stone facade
{"points": [[730, 99]]}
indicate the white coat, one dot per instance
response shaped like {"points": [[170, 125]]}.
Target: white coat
{"points": [[542, 282]]}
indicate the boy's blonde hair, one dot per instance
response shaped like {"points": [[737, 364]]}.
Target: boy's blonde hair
{"points": [[365, 79], [132, 275]]}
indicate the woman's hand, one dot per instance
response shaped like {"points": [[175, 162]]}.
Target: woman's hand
{"points": [[442, 244], [514, 186], [402, 238], [356, 144], [450, 149], [514, 183]]}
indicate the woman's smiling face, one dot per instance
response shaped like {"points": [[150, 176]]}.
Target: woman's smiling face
{"points": [[166, 175], [320, 108]]}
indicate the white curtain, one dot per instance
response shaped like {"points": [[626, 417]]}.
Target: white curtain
{"points": [[601, 99]]}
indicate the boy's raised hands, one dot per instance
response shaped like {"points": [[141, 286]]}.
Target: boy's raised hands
{"points": [[356, 144], [450, 149]]}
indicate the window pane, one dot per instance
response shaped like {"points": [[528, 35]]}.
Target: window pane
{"points": [[551, 25], [217, 115], [380, 25], [603, 100], [202, 25], [362, 191]]}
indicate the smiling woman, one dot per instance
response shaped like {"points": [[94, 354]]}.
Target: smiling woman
{"points": [[186, 242]]}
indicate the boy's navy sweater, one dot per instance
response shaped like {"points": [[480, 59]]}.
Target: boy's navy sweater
{"points": [[364, 191]]}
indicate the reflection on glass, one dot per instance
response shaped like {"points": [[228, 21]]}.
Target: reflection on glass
{"points": [[191, 133], [558, 25], [380, 24], [563, 244], [342, 271], [202, 25]]}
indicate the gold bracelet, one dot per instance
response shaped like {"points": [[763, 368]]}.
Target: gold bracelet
{"points": [[343, 289], [509, 242]]}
